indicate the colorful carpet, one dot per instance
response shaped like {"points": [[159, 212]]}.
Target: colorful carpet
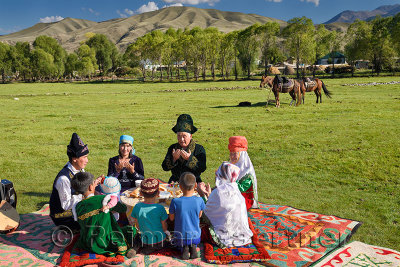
{"points": [[291, 237], [295, 237], [254, 252], [360, 254], [74, 257]]}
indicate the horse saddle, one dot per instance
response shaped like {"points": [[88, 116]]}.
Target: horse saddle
{"points": [[310, 84], [287, 84]]}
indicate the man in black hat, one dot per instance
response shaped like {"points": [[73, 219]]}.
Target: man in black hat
{"points": [[186, 155], [63, 197]]}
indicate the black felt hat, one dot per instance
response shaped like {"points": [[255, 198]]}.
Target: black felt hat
{"points": [[76, 147], [184, 123]]}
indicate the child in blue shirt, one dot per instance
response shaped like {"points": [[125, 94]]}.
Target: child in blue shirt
{"points": [[186, 211], [151, 218]]}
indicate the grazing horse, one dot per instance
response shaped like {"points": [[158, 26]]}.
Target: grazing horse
{"points": [[284, 85], [314, 84]]}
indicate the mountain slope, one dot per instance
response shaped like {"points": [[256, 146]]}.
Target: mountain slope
{"points": [[123, 31], [351, 16]]}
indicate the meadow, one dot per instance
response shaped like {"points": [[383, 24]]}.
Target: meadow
{"points": [[341, 157]]}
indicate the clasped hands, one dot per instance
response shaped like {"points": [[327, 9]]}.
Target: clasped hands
{"points": [[124, 163], [204, 189], [180, 153]]}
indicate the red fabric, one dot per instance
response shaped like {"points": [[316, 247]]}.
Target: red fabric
{"points": [[65, 260], [248, 197], [237, 143], [220, 258]]}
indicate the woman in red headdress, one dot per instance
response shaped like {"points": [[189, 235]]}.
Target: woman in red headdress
{"points": [[247, 180]]}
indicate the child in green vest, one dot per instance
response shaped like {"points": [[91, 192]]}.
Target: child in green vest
{"points": [[99, 231]]}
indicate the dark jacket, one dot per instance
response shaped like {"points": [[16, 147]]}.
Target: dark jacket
{"points": [[126, 178], [196, 163]]}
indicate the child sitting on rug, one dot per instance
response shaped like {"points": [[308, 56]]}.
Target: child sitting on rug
{"points": [[99, 231], [186, 211], [151, 218]]}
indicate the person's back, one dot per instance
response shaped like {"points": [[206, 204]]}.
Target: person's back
{"points": [[186, 211], [187, 220], [99, 231], [151, 218]]}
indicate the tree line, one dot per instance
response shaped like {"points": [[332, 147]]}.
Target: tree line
{"points": [[196, 53]]}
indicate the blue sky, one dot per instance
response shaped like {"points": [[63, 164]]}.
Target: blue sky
{"points": [[16, 15]]}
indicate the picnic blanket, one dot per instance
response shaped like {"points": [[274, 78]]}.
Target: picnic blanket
{"points": [[360, 254], [309, 236]]}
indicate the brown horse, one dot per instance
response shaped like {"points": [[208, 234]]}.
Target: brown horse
{"points": [[314, 84], [293, 87]]}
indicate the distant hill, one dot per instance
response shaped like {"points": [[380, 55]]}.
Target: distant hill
{"points": [[123, 31], [349, 16]]}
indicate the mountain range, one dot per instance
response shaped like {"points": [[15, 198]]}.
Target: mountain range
{"points": [[123, 31], [349, 16], [70, 32]]}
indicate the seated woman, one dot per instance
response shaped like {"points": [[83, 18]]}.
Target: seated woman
{"points": [[247, 180], [226, 208], [186, 155], [126, 166]]}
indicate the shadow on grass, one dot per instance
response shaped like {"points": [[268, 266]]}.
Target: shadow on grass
{"points": [[40, 204], [258, 104]]}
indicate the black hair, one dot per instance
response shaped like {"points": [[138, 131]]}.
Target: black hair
{"points": [[187, 181], [70, 154], [149, 195], [81, 182], [130, 152]]}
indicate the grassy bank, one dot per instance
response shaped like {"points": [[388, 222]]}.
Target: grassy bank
{"points": [[340, 157]]}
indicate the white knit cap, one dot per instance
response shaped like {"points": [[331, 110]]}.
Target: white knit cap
{"points": [[110, 185]]}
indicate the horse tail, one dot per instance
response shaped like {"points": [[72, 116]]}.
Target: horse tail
{"points": [[326, 91]]}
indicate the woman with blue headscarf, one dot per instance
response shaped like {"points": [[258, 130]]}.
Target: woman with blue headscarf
{"points": [[127, 167]]}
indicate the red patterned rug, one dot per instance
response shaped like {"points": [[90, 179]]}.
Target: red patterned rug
{"points": [[291, 237], [254, 252], [73, 257], [294, 237]]}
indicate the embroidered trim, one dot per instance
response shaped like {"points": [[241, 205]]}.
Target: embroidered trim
{"points": [[122, 248], [169, 164], [67, 213], [192, 164], [89, 214]]}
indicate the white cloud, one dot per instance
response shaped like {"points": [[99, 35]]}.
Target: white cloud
{"points": [[177, 4], [51, 19], [129, 12], [151, 6], [316, 2], [192, 2], [275, 1], [121, 14]]}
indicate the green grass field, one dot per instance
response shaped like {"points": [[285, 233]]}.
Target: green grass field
{"points": [[341, 157]]}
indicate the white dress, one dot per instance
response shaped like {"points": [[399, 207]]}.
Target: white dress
{"points": [[226, 210]]}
